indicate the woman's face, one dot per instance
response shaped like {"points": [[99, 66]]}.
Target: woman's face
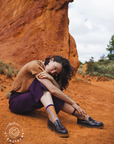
{"points": [[53, 68]]}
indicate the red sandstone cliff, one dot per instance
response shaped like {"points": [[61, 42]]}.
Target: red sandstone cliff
{"points": [[34, 29]]}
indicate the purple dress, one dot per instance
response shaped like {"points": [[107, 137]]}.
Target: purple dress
{"points": [[24, 103]]}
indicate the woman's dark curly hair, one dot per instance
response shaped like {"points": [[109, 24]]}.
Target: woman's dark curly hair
{"points": [[67, 71]]}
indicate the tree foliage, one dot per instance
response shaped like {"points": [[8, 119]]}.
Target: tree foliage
{"points": [[90, 65], [103, 68], [110, 48]]}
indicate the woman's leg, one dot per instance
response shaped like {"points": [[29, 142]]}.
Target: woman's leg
{"points": [[53, 122], [70, 110], [47, 101], [82, 120]]}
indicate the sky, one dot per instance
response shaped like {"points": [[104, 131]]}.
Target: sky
{"points": [[92, 26]]}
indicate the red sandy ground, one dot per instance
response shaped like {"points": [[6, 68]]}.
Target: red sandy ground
{"points": [[96, 98]]}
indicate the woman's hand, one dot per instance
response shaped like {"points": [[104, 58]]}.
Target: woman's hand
{"points": [[44, 75], [80, 110]]}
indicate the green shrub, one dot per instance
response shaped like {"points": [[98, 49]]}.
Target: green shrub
{"points": [[7, 69], [9, 73], [7, 66], [95, 67], [80, 71], [95, 73], [81, 66], [106, 62], [103, 67], [2, 69], [90, 66], [11, 68], [101, 75], [83, 75], [80, 79], [109, 76]]}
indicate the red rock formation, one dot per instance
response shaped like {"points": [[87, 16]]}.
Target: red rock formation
{"points": [[34, 29]]}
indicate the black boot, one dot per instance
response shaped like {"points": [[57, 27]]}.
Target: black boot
{"points": [[58, 128], [90, 123]]}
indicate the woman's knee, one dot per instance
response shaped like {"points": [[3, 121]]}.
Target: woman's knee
{"points": [[46, 98], [46, 93]]}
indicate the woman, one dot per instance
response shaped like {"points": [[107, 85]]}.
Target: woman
{"points": [[40, 84]]}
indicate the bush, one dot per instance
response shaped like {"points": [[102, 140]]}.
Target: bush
{"points": [[7, 69], [95, 73], [80, 71], [102, 58], [81, 66], [2, 68], [11, 68], [83, 75], [95, 67], [9, 73], [106, 61], [102, 68], [90, 66], [7, 66], [101, 75]]}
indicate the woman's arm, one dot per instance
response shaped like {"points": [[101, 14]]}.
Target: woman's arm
{"points": [[59, 94], [55, 83], [55, 91]]}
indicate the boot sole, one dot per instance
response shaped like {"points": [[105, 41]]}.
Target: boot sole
{"points": [[91, 126], [59, 134]]}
